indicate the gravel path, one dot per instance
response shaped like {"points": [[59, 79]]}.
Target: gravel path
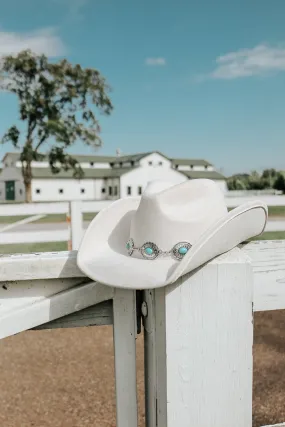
{"points": [[65, 378]]}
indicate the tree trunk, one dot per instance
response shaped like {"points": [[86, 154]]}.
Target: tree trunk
{"points": [[27, 176], [28, 190]]}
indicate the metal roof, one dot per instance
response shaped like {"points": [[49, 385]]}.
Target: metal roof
{"points": [[79, 157], [189, 162], [121, 159], [203, 174]]}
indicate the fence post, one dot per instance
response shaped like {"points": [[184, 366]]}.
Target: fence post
{"points": [[124, 317], [76, 224], [198, 347]]}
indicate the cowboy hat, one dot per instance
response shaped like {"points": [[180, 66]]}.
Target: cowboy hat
{"points": [[150, 241]]}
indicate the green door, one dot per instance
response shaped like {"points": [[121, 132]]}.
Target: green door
{"points": [[10, 190]]}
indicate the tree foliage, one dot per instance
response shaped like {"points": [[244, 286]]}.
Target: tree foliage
{"points": [[57, 103], [279, 183], [269, 179]]}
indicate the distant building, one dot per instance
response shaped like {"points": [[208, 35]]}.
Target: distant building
{"points": [[105, 177]]}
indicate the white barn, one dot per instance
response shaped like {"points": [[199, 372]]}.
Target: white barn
{"points": [[105, 177]]}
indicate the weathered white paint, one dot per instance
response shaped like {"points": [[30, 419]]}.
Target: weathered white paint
{"points": [[96, 315], [203, 347], [16, 295], [76, 224], [124, 312], [198, 332], [46, 309], [268, 261], [155, 359], [37, 266]]}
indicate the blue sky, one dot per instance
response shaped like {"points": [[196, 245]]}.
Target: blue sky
{"points": [[191, 79]]}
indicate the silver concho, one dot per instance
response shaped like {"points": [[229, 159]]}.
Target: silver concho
{"points": [[130, 246], [180, 250], [149, 250]]}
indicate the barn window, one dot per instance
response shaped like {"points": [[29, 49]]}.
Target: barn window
{"points": [[115, 190], [149, 163], [110, 191], [191, 166], [91, 163], [60, 191], [103, 190], [129, 191], [206, 166], [38, 191], [82, 190], [20, 191], [160, 163], [139, 191]]}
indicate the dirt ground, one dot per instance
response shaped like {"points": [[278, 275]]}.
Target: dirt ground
{"points": [[65, 378]]}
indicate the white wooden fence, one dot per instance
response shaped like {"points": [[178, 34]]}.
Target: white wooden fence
{"points": [[73, 232], [198, 331]]}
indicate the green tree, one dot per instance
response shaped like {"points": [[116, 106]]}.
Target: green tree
{"points": [[236, 184], [279, 183], [57, 103], [269, 177]]}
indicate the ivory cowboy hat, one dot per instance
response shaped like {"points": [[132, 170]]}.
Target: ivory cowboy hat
{"points": [[150, 241]]}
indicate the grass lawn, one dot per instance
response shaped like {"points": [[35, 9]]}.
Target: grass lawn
{"points": [[276, 210], [271, 235], [88, 216]]}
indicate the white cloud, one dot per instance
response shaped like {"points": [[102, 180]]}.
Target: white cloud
{"points": [[154, 62], [258, 61], [41, 41], [74, 8]]}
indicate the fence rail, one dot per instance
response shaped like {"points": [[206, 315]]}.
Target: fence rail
{"points": [[198, 331], [74, 210]]}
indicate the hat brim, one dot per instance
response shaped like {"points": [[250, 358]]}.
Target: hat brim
{"points": [[102, 255]]}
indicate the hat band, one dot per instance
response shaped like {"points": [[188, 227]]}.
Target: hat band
{"points": [[150, 250]]}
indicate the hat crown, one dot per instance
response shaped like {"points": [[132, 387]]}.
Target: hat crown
{"points": [[169, 214]]}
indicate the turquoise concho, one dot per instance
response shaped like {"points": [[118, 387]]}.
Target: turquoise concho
{"points": [[150, 250]]}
